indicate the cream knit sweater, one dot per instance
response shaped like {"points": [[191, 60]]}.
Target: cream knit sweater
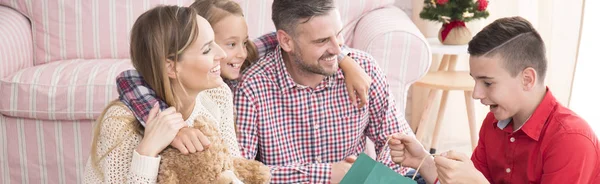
{"points": [[118, 139]]}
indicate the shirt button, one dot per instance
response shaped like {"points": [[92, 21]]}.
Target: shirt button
{"points": [[318, 159], [316, 126], [507, 170], [512, 139]]}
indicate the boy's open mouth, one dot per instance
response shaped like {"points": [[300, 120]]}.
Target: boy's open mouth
{"points": [[492, 107]]}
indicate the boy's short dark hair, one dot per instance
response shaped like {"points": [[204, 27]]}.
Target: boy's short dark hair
{"points": [[516, 41], [287, 13]]}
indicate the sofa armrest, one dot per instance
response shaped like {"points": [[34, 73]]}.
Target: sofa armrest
{"points": [[400, 49], [16, 44]]}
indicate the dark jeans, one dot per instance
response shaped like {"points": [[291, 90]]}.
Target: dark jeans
{"points": [[418, 178]]}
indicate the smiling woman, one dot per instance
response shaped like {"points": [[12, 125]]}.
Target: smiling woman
{"points": [[174, 50]]}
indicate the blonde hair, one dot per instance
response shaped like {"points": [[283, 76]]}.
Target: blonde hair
{"points": [[216, 10], [132, 124], [160, 34]]}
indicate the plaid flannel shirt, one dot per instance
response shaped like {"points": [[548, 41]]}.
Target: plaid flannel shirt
{"points": [[300, 131], [137, 95], [265, 43]]}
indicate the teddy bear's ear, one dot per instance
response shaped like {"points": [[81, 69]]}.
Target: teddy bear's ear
{"points": [[200, 122], [205, 121]]}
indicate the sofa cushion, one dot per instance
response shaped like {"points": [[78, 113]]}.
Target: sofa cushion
{"points": [[62, 90], [71, 29], [258, 15], [16, 45]]}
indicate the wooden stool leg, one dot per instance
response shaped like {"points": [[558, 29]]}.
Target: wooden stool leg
{"points": [[421, 129], [438, 123], [413, 125], [452, 62], [471, 115], [414, 120], [444, 63]]}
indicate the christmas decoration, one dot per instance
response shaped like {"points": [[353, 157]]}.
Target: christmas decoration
{"points": [[482, 5], [453, 14]]}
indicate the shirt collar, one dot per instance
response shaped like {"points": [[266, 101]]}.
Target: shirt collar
{"points": [[288, 83], [534, 125], [503, 123]]}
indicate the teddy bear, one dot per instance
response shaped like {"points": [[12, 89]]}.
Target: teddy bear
{"points": [[213, 165]]}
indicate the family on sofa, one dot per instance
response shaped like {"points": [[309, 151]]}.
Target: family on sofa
{"points": [[303, 104]]}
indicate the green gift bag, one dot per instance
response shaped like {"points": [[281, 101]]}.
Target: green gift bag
{"points": [[367, 170]]}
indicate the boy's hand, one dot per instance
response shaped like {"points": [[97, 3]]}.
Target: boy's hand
{"points": [[406, 150], [453, 167], [190, 140]]}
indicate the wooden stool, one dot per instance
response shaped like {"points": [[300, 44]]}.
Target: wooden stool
{"points": [[446, 78]]}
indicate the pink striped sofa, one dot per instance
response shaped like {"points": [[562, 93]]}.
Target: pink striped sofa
{"points": [[59, 59]]}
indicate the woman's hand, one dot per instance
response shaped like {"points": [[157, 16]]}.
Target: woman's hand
{"points": [[161, 128]]}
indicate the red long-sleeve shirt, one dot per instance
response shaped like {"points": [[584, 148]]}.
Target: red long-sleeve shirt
{"points": [[553, 146]]}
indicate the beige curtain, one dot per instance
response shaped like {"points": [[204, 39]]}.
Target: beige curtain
{"points": [[584, 96]]}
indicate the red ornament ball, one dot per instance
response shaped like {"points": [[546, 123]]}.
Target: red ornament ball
{"points": [[481, 5]]}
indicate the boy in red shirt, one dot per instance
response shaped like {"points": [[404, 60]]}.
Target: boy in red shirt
{"points": [[527, 137]]}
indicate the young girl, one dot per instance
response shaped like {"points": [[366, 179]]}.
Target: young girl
{"points": [[174, 50], [231, 33]]}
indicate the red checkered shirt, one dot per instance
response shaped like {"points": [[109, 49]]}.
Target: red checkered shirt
{"points": [[300, 131]]}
